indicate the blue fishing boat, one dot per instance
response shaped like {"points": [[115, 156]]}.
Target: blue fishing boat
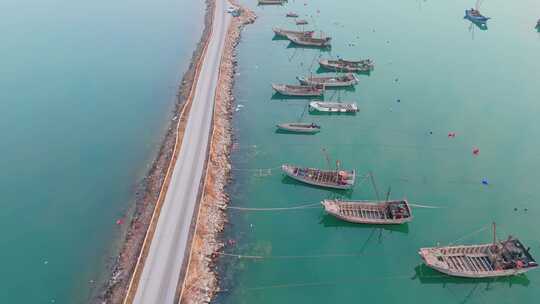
{"points": [[474, 15]]}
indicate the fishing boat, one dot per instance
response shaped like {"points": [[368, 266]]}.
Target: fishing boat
{"points": [[341, 65], [336, 179], [311, 41], [474, 15], [292, 15], [538, 25], [301, 22], [272, 2], [298, 127], [299, 90], [290, 33], [346, 80], [500, 258], [370, 212], [334, 107]]}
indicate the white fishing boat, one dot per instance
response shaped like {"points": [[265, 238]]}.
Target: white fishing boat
{"points": [[333, 107]]}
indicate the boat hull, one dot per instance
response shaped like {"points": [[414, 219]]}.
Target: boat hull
{"points": [[328, 83], [289, 172], [476, 19], [295, 129], [502, 273], [281, 89], [332, 208], [328, 108], [320, 43]]}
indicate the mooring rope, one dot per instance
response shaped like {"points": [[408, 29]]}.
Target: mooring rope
{"points": [[306, 206], [329, 283], [425, 206], [469, 235], [284, 257]]}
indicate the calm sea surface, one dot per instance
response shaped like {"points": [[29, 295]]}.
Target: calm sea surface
{"points": [[449, 76], [85, 92]]}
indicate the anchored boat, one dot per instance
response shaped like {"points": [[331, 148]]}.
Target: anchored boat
{"points": [[290, 33], [335, 107], [369, 212], [311, 41], [336, 179], [500, 258], [474, 16], [298, 127], [301, 22], [272, 2], [299, 90], [538, 25], [341, 65], [292, 15], [346, 80]]}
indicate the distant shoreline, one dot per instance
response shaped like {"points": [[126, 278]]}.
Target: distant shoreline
{"points": [[148, 192]]}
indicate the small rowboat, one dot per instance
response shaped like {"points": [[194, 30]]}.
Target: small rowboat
{"points": [[336, 179], [369, 212], [335, 107], [272, 2], [290, 33], [301, 22], [475, 16], [346, 80], [298, 127], [299, 90], [311, 41], [498, 259], [341, 65], [292, 15]]}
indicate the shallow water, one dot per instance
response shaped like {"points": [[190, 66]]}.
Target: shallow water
{"points": [[86, 91], [449, 76]]}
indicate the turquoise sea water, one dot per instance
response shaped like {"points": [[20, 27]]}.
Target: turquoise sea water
{"points": [[86, 91], [449, 77]]}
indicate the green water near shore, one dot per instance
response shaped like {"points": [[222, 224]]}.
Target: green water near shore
{"points": [[449, 77], [86, 92]]}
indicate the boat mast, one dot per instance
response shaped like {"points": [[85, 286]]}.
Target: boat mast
{"points": [[327, 157], [388, 193], [494, 233]]}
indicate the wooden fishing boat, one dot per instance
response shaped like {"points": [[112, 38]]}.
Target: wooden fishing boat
{"points": [[337, 179], [474, 15], [272, 2], [500, 258], [292, 15], [301, 22], [341, 65], [334, 107], [346, 80], [369, 212], [298, 127], [299, 90], [290, 33], [311, 41]]}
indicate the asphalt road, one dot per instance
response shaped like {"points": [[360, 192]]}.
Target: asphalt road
{"points": [[169, 247]]}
